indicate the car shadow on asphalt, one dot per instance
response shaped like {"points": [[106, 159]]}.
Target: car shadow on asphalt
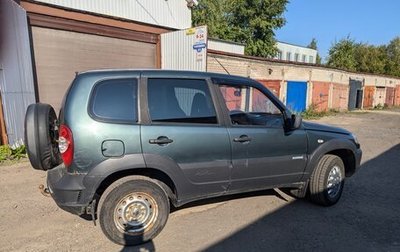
{"points": [[149, 246], [366, 218], [146, 247]]}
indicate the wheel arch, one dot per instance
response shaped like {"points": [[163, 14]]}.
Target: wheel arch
{"points": [[342, 148], [162, 178]]}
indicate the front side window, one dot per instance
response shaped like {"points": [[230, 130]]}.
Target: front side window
{"points": [[115, 100], [180, 101], [249, 106]]}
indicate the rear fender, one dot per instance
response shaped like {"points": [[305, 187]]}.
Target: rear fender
{"points": [[99, 173]]}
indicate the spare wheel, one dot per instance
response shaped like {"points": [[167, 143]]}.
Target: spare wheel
{"points": [[41, 136]]}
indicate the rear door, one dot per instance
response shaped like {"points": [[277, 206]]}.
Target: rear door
{"points": [[184, 129]]}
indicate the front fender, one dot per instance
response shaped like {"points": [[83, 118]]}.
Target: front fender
{"points": [[329, 146]]}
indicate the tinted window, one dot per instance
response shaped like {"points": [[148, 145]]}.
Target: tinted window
{"points": [[115, 100], [180, 100]]}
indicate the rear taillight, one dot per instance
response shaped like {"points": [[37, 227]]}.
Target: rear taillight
{"points": [[66, 144]]}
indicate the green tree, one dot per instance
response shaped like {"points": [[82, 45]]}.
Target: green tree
{"points": [[251, 22], [370, 59], [342, 54], [393, 57], [313, 45]]}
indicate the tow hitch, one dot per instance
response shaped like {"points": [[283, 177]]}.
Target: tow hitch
{"points": [[44, 190], [91, 209]]}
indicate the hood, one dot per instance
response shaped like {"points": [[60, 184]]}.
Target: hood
{"points": [[325, 128]]}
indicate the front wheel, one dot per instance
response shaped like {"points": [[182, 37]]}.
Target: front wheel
{"points": [[327, 181], [133, 210]]}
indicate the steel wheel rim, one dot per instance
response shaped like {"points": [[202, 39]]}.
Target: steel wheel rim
{"points": [[334, 182], [135, 213]]}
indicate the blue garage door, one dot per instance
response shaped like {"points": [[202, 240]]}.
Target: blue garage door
{"points": [[296, 96]]}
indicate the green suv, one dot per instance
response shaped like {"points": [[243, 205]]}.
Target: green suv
{"points": [[127, 144]]}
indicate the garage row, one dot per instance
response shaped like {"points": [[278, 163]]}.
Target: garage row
{"points": [[301, 86], [77, 42]]}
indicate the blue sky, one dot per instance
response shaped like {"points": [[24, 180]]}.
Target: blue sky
{"points": [[374, 22]]}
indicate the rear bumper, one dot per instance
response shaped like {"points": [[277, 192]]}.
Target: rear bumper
{"points": [[66, 189]]}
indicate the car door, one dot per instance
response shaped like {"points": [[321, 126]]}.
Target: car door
{"points": [[263, 153], [184, 131]]}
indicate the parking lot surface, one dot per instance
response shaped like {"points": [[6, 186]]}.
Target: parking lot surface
{"points": [[367, 218]]}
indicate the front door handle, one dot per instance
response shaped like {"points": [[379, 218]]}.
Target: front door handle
{"points": [[242, 139], [161, 140]]}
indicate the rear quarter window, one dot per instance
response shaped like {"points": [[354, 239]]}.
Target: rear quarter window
{"points": [[115, 101]]}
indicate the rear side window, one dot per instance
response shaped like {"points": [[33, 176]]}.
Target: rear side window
{"points": [[115, 100], [180, 101]]}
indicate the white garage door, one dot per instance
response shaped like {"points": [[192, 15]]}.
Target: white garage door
{"points": [[59, 54]]}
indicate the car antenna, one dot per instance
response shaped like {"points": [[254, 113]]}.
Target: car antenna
{"points": [[226, 70]]}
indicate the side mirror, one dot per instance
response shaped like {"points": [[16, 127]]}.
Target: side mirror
{"points": [[296, 121]]}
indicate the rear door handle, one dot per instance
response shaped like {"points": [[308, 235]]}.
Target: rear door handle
{"points": [[161, 140], [242, 139]]}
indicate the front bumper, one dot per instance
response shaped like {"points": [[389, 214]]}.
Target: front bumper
{"points": [[66, 189]]}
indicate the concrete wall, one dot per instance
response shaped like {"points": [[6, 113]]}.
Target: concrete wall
{"points": [[327, 88]]}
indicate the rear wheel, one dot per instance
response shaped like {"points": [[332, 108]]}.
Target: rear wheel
{"points": [[133, 210], [327, 181], [41, 136]]}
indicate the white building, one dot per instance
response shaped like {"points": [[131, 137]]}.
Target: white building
{"points": [[296, 53], [225, 46]]}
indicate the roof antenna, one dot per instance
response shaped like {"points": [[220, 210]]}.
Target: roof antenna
{"points": [[226, 70]]}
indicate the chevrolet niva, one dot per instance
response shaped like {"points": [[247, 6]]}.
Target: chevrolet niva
{"points": [[128, 143]]}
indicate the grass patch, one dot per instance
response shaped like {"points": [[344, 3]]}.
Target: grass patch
{"points": [[380, 107], [12, 155], [312, 113]]}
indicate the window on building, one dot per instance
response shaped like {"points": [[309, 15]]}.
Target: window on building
{"points": [[288, 56], [115, 100], [180, 101], [296, 57], [279, 55], [249, 106], [311, 59], [304, 58]]}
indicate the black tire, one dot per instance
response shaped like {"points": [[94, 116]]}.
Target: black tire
{"points": [[320, 192], [111, 210], [41, 136]]}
